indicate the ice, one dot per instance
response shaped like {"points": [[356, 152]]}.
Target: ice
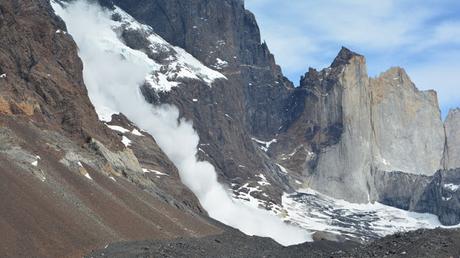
{"points": [[315, 211]]}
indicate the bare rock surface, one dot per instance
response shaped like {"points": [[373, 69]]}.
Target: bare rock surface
{"points": [[436, 243], [452, 153]]}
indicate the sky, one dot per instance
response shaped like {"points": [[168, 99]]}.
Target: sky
{"points": [[421, 36]]}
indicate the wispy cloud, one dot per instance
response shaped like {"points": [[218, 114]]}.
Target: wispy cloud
{"points": [[422, 36]]}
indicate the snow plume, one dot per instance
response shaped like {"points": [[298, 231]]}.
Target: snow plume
{"points": [[113, 73]]}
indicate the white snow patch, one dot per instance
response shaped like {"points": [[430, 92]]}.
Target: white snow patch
{"points": [[451, 187], [265, 144], [127, 142], [158, 173], [220, 64], [113, 178], [35, 162], [385, 162], [118, 128], [136, 132], [3, 75], [264, 181], [283, 169], [88, 176], [195, 100]]}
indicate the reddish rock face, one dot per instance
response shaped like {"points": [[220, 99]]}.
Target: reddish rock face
{"points": [[43, 78]]}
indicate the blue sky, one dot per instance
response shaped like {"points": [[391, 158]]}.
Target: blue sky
{"points": [[422, 36]]}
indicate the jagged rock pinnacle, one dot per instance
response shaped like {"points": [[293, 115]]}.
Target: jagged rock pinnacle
{"points": [[344, 57]]}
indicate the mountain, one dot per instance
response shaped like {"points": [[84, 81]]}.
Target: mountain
{"points": [[340, 132], [170, 121], [68, 183]]}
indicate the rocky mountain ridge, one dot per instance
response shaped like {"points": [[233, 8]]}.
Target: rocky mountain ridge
{"points": [[340, 132], [340, 128]]}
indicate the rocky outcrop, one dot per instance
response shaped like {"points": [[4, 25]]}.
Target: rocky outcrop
{"points": [[442, 197], [353, 129], [42, 73], [407, 127], [452, 143]]}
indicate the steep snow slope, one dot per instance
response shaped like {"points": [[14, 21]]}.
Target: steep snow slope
{"points": [[113, 73]]}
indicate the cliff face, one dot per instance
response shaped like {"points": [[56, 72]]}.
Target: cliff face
{"points": [[452, 150], [236, 116], [225, 36], [42, 72], [442, 197], [69, 184], [339, 132], [354, 128], [408, 130]]}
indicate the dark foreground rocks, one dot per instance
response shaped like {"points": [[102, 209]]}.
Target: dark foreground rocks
{"points": [[229, 244], [422, 243]]}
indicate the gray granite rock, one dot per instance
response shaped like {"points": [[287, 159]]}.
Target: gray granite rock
{"points": [[452, 148]]}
